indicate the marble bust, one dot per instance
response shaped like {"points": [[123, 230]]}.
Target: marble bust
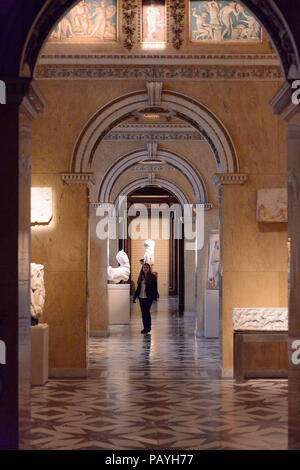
{"points": [[37, 292], [121, 273]]}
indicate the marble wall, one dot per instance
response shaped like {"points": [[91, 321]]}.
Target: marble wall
{"points": [[252, 276], [61, 246]]}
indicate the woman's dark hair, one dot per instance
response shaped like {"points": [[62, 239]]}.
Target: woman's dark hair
{"points": [[148, 276]]}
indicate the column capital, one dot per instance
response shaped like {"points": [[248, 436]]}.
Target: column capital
{"points": [[207, 206], [220, 179], [78, 178], [282, 103], [25, 93]]}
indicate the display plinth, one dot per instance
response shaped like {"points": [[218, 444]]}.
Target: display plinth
{"points": [[39, 354], [211, 314], [118, 304]]}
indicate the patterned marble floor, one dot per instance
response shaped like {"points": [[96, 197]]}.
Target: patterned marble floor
{"points": [[160, 391]]}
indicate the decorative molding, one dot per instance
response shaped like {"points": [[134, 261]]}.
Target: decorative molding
{"points": [[237, 59], [95, 205], [157, 72], [154, 90], [207, 206], [78, 178], [229, 178], [263, 319], [177, 8], [157, 168], [152, 150], [151, 178], [146, 134], [153, 132], [129, 12]]}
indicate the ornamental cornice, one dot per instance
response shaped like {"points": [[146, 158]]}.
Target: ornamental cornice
{"points": [[220, 179], [197, 59], [152, 136], [151, 168], [159, 72]]}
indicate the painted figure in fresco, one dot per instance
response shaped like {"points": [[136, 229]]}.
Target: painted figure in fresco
{"points": [[64, 27], [226, 19], [81, 20], [153, 21], [203, 28], [100, 21], [251, 31], [81, 23], [102, 28], [213, 10]]}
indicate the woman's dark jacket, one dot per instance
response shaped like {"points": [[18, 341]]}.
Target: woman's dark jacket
{"points": [[151, 289]]}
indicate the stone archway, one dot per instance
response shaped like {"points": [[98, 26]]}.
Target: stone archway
{"points": [[161, 182], [185, 108], [173, 159]]}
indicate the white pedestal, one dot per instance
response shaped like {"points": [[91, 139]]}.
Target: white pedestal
{"points": [[39, 354], [211, 314], [118, 304]]}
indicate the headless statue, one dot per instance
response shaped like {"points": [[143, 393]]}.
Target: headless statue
{"points": [[121, 273]]}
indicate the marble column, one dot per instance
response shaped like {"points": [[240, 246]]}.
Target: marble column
{"points": [[229, 185], [63, 250], [283, 106], [98, 311], [293, 145], [23, 104]]}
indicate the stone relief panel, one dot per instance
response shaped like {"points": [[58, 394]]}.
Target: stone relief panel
{"points": [[222, 21], [272, 205], [154, 21], [263, 319], [41, 205], [88, 21]]}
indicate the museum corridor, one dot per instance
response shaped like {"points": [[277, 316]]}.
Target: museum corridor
{"points": [[159, 391]]}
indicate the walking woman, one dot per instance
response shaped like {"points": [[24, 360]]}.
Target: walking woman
{"points": [[146, 292]]}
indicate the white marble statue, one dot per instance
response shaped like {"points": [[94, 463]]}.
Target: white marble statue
{"points": [[37, 291], [121, 273], [214, 262], [149, 253]]}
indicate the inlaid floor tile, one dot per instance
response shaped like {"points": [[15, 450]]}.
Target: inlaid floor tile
{"points": [[160, 391]]}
